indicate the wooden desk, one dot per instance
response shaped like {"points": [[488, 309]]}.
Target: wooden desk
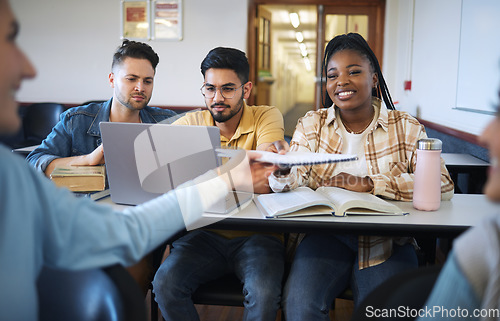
{"points": [[466, 166], [24, 151], [456, 160], [453, 217]]}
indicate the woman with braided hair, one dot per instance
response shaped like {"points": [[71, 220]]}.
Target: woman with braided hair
{"points": [[359, 118]]}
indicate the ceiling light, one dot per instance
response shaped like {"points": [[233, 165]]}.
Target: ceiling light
{"points": [[294, 19], [303, 49], [299, 36], [307, 62]]}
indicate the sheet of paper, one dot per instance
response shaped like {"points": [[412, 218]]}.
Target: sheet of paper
{"points": [[296, 158]]}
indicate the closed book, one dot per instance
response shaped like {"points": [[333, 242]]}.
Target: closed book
{"points": [[80, 178], [95, 196]]}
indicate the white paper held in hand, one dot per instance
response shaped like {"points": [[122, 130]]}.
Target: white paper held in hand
{"points": [[295, 158]]}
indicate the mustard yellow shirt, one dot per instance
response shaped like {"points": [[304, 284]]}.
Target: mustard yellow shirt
{"points": [[258, 125]]}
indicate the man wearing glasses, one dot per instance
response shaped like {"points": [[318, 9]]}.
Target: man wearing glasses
{"points": [[204, 255], [226, 85]]}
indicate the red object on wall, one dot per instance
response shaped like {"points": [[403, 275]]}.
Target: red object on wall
{"points": [[407, 85]]}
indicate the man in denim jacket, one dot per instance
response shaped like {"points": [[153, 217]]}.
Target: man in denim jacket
{"points": [[76, 139]]}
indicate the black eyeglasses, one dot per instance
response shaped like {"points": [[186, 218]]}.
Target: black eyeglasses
{"points": [[228, 92]]}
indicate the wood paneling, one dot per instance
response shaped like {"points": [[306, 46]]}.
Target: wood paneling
{"points": [[468, 137]]}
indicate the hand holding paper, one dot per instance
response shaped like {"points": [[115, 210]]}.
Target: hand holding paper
{"points": [[293, 158], [303, 158]]}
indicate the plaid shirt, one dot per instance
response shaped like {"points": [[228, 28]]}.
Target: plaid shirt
{"points": [[390, 150]]}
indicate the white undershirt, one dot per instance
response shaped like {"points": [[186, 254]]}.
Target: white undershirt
{"points": [[353, 144]]}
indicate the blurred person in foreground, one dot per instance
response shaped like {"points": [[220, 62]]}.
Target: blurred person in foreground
{"points": [[41, 224], [470, 278]]}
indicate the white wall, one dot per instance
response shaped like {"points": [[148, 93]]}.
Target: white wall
{"points": [[397, 42], [71, 43], [430, 62]]}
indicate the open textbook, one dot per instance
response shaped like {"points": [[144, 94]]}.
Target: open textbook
{"points": [[294, 158], [304, 201]]}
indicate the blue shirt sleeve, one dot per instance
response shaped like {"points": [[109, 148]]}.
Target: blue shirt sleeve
{"points": [[57, 144], [41, 224]]}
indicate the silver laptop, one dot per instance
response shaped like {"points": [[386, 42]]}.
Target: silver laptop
{"points": [[144, 161]]}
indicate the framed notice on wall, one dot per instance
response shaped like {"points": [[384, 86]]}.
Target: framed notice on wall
{"points": [[135, 20], [167, 20]]}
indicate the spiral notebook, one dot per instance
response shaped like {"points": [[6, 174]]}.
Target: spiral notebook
{"points": [[296, 158]]}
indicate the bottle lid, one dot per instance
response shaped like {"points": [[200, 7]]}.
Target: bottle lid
{"points": [[430, 144]]}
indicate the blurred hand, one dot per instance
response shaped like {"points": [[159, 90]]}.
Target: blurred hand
{"points": [[350, 182], [246, 174], [280, 147], [260, 173]]}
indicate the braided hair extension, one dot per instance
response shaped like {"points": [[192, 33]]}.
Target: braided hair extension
{"points": [[355, 42]]}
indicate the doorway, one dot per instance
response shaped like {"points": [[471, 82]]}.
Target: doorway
{"points": [[285, 58]]}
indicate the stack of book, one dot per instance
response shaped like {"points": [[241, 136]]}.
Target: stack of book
{"points": [[87, 181]]}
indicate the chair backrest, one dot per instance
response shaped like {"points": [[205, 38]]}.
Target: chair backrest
{"points": [[89, 295], [408, 289], [39, 120], [93, 101], [226, 290]]}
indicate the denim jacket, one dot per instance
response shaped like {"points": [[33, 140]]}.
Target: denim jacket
{"points": [[78, 133]]}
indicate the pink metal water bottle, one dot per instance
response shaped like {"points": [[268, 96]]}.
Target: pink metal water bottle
{"points": [[427, 180]]}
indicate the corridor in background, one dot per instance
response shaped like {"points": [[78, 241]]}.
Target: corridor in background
{"points": [[288, 45]]}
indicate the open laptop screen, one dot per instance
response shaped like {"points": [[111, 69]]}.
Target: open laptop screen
{"points": [[145, 160]]}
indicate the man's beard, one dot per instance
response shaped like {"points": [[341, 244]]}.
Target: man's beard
{"points": [[220, 117], [132, 105]]}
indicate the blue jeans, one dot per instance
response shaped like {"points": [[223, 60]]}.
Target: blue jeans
{"points": [[325, 265], [451, 292], [201, 256]]}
